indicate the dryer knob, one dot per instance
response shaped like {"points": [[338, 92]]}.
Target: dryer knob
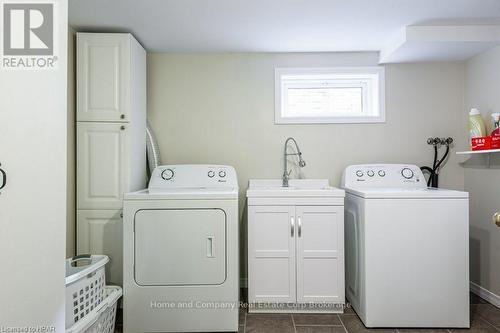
{"points": [[359, 173], [222, 173], [370, 173], [167, 174], [211, 173]]}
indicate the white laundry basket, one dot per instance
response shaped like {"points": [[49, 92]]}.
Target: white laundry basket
{"points": [[85, 286], [102, 318]]}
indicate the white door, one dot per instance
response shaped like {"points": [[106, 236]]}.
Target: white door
{"points": [[102, 165], [320, 247], [103, 77], [271, 254], [180, 247], [33, 155], [100, 232]]}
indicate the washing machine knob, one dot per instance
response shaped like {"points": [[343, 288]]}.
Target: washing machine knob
{"points": [[222, 173], [407, 173], [359, 173], [381, 173], [370, 173], [167, 174], [211, 173]]}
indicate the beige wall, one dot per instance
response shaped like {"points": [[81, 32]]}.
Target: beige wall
{"points": [[219, 108], [70, 198], [482, 82]]}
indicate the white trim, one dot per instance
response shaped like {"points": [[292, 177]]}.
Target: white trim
{"points": [[334, 71], [485, 294]]}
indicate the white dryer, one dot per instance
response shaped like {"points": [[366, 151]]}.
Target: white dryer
{"points": [[407, 248], [180, 262]]}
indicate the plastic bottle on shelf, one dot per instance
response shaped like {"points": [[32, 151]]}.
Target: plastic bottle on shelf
{"points": [[496, 119], [476, 124], [495, 135]]}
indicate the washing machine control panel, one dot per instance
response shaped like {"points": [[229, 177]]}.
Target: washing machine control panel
{"points": [[383, 175], [193, 176]]}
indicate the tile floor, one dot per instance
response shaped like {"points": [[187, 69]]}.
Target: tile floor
{"points": [[485, 318]]}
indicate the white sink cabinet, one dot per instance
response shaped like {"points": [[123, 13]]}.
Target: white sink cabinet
{"points": [[295, 246]]}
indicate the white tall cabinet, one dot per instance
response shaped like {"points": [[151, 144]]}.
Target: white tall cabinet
{"points": [[295, 249], [111, 139]]}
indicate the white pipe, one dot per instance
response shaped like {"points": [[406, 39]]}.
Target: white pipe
{"points": [[152, 149]]}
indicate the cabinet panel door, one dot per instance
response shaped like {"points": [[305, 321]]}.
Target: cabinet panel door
{"points": [[100, 232], [320, 254], [271, 254], [101, 165], [103, 77]]}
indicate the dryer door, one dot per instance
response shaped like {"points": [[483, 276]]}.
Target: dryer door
{"points": [[180, 247]]}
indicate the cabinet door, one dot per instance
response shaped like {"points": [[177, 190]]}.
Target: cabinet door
{"points": [[103, 77], [100, 232], [102, 166], [271, 254], [320, 254]]}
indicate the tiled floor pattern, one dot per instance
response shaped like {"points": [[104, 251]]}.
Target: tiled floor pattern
{"points": [[485, 318]]}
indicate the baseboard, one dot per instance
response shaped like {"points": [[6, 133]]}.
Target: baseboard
{"points": [[485, 294], [243, 283]]}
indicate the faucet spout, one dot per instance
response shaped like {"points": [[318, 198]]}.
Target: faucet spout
{"points": [[302, 163]]}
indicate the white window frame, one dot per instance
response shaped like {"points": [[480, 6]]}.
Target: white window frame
{"points": [[363, 73]]}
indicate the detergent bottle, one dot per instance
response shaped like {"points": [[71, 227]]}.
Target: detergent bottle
{"points": [[476, 125]]}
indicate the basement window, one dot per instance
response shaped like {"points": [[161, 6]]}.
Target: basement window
{"points": [[329, 95]]}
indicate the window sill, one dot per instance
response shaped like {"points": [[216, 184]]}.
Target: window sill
{"points": [[340, 120]]}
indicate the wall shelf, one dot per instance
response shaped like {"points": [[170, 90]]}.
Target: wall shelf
{"points": [[474, 152], [487, 153]]}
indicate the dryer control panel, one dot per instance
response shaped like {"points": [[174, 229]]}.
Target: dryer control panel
{"points": [[383, 175], [193, 176]]}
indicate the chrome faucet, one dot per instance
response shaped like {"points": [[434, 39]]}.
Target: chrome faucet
{"points": [[302, 163]]}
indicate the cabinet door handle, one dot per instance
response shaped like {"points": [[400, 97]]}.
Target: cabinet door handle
{"points": [[292, 226], [300, 226], [496, 219], [3, 179]]}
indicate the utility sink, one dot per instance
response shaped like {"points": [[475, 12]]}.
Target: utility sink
{"points": [[301, 188]]}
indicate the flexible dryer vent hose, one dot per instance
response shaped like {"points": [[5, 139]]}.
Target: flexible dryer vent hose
{"points": [[153, 152]]}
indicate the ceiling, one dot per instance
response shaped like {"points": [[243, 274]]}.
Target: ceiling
{"points": [[269, 25]]}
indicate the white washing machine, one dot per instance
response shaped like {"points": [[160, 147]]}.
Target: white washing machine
{"points": [[180, 262], [407, 248]]}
